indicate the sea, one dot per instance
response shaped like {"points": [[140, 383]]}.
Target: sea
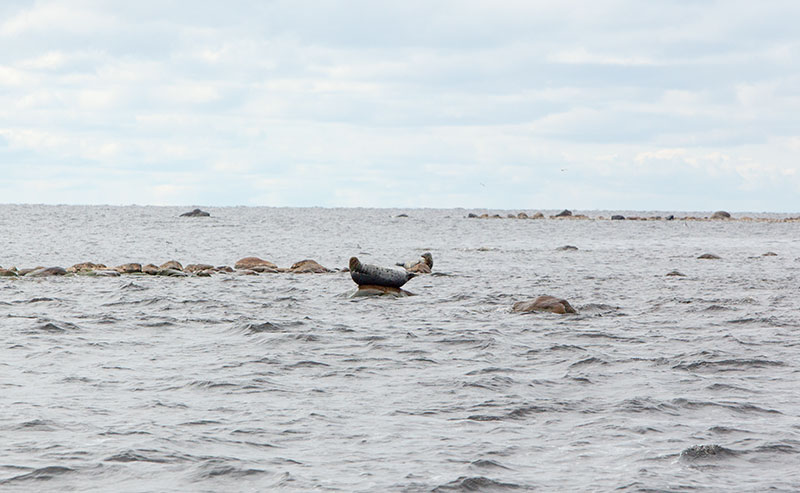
{"points": [[282, 382]]}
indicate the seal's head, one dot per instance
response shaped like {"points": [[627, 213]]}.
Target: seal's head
{"points": [[355, 264], [428, 259]]}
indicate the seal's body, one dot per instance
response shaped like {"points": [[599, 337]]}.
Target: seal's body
{"points": [[365, 274]]}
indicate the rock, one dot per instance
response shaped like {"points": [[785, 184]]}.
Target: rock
{"points": [[308, 267], [47, 271], [709, 256], [721, 215], [676, 273], [770, 254], [195, 213], [205, 273], [522, 215], [171, 273], [150, 269], [256, 264], [172, 264], [7, 273], [670, 217], [567, 248], [544, 303], [484, 216], [401, 215], [564, 213], [511, 216], [85, 266], [128, 268], [496, 216], [223, 268], [194, 268], [472, 215], [617, 217], [538, 215], [370, 290]]}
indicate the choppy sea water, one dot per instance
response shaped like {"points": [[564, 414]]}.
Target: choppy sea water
{"points": [[255, 383]]}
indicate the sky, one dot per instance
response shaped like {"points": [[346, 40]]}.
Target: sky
{"points": [[586, 105]]}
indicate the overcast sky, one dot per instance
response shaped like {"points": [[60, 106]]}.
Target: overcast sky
{"points": [[669, 105]]}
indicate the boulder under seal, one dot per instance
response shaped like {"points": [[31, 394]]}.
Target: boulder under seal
{"points": [[366, 274]]}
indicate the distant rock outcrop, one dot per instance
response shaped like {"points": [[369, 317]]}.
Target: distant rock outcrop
{"points": [[721, 215], [544, 303], [195, 213]]}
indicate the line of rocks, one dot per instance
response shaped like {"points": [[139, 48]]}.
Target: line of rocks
{"points": [[567, 214], [172, 268]]}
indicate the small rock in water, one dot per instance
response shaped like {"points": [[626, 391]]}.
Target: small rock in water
{"points": [[676, 273], [47, 271], [544, 303], [308, 267], [370, 290], [709, 256], [538, 215], [770, 254], [195, 213], [256, 264], [150, 269], [402, 215], [472, 215], [193, 268], [522, 215], [617, 217], [172, 264], [567, 248], [128, 268], [85, 266], [564, 213], [721, 215]]}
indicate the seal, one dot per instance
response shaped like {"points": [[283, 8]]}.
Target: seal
{"points": [[426, 258], [365, 274]]}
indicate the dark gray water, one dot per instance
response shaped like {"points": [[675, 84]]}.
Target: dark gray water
{"points": [[254, 383]]}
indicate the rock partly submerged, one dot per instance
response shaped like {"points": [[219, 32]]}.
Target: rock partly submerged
{"points": [[544, 303], [255, 264], [308, 266], [709, 256], [47, 271], [196, 213]]}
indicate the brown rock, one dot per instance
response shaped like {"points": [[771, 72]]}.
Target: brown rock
{"points": [[676, 273], [172, 264], [544, 304], [7, 273], [193, 268], [709, 256], [308, 267], [256, 264], [370, 290], [150, 269], [224, 268], [128, 268], [770, 254], [538, 215], [522, 215], [484, 216], [85, 266], [420, 268]]}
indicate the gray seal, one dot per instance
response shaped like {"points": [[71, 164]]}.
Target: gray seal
{"points": [[373, 275]]}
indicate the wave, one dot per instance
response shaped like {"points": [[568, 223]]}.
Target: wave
{"points": [[41, 474]]}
